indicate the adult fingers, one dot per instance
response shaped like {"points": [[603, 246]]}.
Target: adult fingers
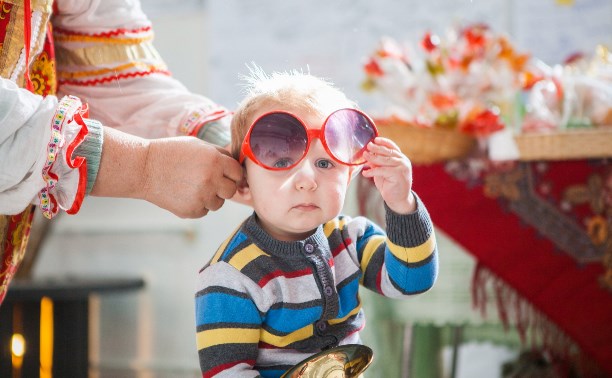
{"points": [[226, 188], [214, 203], [231, 168]]}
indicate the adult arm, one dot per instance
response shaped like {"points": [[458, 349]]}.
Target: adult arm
{"points": [[169, 172], [35, 161]]}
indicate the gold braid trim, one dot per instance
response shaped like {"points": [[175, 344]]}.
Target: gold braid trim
{"points": [[45, 6], [13, 43], [106, 55]]}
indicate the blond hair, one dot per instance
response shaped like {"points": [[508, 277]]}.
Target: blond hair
{"points": [[287, 89]]}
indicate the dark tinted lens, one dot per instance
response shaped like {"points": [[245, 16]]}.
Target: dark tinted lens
{"points": [[278, 140], [347, 132]]}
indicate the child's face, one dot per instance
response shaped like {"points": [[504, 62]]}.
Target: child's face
{"points": [[290, 204]]}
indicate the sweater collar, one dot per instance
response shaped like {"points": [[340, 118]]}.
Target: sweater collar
{"points": [[268, 244]]}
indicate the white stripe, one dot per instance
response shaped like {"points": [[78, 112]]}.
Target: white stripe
{"points": [[345, 265], [292, 290], [225, 275], [273, 357], [241, 370], [387, 287]]}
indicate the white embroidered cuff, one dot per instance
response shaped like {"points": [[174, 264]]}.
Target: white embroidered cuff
{"points": [[65, 175]]}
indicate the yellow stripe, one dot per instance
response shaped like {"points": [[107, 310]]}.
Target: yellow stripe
{"points": [[245, 256], [281, 341], [340, 320], [221, 249], [371, 247], [414, 254], [330, 226], [206, 339]]}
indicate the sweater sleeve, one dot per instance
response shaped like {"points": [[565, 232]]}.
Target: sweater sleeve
{"points": [[404, 261], [228, 322]]}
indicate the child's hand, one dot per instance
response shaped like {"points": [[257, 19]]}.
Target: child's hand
{"points": [[392, 173]]}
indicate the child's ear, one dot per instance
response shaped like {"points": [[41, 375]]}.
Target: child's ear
{"points": [[243, 193]]}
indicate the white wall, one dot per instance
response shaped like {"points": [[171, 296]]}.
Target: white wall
{"points": [[207, 44]]}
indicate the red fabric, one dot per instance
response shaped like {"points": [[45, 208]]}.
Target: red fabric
{"points": [[567, 292], [5, 19], [14, 234]]}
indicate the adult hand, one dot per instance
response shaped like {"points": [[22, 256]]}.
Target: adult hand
{"points": [[184, 175]]}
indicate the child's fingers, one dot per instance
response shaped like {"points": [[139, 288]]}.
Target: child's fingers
{"points": [[389, 174], [380, 142], [382, 159]]}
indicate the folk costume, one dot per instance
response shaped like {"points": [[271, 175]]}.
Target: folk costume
{"points": [[264, 305], [100, 53]]}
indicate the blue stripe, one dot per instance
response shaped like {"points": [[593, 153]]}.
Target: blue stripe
{"points": [[225, 308], [412, 279], [348, 297], [288, 320], [231, 246], [271, 373], [370, 231]]}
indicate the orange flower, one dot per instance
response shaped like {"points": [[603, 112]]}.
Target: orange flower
{"points": [[372, 68], [430, 42], [443, 100], [481, 124]]}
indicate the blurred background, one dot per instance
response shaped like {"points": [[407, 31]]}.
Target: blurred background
{"points": [[207, 45]]}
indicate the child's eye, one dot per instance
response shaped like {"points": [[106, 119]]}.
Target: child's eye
{"points": [[324, 163], [283, 163]]}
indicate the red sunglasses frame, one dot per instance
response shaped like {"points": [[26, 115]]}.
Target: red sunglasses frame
{"points": [[246, 151]]}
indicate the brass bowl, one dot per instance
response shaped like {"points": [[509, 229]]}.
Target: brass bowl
{"points": [[344, 361]]}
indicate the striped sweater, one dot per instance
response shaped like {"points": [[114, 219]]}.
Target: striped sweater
{"points": [[264, 305]]}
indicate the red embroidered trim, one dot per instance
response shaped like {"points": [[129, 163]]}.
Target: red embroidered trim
{"points": [[27, 36], [90, 83], [78, 162], [112, 33]]}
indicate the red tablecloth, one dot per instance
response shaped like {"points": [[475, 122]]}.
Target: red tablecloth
{"points": [[541, 233], [542, 228]]}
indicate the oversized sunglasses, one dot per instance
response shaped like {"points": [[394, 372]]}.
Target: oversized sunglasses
{"points": [[280, 140]]}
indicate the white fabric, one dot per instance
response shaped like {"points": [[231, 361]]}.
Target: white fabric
{"points": [[502, 146], [24, 134], [24, 137]]}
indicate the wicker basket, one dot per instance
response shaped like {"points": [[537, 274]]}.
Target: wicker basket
{"points": [[566, 145], [427, 145]]}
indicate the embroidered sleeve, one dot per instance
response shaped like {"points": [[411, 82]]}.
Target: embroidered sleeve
{"points": [[105, 53], [209, 124]]}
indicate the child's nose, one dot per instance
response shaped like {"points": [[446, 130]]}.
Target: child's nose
{"points": [[305, 176]]}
